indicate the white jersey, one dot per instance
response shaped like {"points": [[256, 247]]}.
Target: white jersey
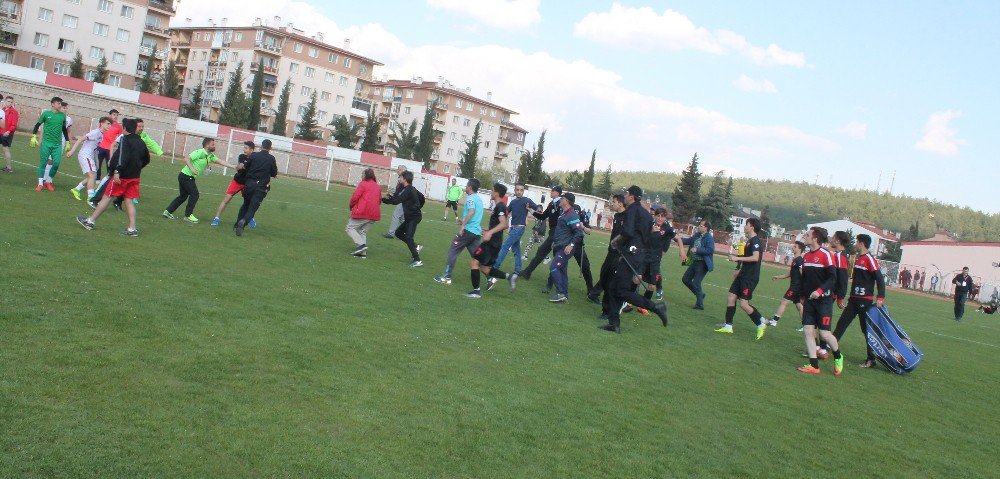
{"points": [[87, 157], [69, 123]]}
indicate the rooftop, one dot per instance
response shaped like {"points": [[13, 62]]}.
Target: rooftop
{"points": [[290, 33], [441, 88]]}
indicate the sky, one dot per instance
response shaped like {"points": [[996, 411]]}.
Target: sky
{"points": [[847, 94]]}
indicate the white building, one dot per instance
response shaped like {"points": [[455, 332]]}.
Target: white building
{"points": [[880, 236]]}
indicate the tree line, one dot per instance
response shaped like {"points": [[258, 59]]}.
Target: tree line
{"points": [[168, 84]]}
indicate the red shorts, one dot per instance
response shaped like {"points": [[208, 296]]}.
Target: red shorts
{"points": [[234, 188], [129, 188]]}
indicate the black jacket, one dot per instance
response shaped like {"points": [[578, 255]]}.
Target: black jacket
{"points": [[410, 198], [637, 227], [959, 287], [261, 167], [130, 158], [551, 213]]}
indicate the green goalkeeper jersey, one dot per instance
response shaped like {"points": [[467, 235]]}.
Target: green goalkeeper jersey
{"points": [[53, 123]]}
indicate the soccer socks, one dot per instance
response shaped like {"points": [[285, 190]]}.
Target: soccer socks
{"points": [[48, 171], [776, 318], [496, 273], [475, 279], [80, 185], [755, 316], [730, 313], [836, 354], [40, 181], [814, 362]]}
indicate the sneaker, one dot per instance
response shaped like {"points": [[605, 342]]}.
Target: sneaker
{"points": [[822, 354], [360, 250], [594, 298], [135, 201], [93, 204], [168, 215], [761, 329], [192, 219], [867, 364], [661, 310], [808, 369], [85, 222], [361, 256], [48, 186], [611, 329], [799, 330], [838, 365], [238, 229], [131, 233], [643, 311], [772, 322], [558, 298], [76, 194], [546, 261], [473, 294], [490, 283], [512, 279], [724, 330], [659, 295], [39, 188], [215, 221], [443, 279], [627, 308], [253, 223], [416, 263], [118, 206]]}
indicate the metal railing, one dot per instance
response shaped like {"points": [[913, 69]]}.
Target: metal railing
{"points": [[268, 46]]}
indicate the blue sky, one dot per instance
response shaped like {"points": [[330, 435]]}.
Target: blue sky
{"points": [[787, 90]]}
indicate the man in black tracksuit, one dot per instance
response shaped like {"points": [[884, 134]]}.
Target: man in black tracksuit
{"points": [[608, 267], [262, 167], [552, 214], [963, 286], [412, 202], [660, 240], [631, 244]]}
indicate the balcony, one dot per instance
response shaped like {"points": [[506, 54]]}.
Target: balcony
{"points": [[163, 6], [8, 40], [214, 83], [155, 30], [13, 16], [361, 104], [268, 111], [440, 105], [217, 64], [269, 47], [393, 99], [181, 62], [147, 51], [267, 69], [183, 43]]}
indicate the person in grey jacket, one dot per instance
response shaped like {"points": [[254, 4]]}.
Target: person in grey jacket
{"points": [[701, 248]]}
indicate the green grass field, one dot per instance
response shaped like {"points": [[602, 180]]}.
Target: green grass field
{"points": [[188, 352]]}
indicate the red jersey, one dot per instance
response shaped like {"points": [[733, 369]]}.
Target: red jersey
{"points": [[868, 278], [819, 273], [112, 134]]}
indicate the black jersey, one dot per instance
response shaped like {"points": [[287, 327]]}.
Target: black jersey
{"points": [[499, 211], [617, 223], [752, 248], [868, 279], [659, 242], [843, 263], [795, 274], [819, 273]]}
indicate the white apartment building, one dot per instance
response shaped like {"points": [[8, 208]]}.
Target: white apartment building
{"points": [[46, 34], [401, 102], [208, 55]]}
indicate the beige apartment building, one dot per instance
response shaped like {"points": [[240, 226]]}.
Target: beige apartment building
{"points": [[208, 55], [457, 112], [46, 34]]}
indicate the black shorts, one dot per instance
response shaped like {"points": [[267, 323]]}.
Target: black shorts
{"points": [[451, 204], [486, 254], [792, 295], [103, 154], [743, 287], [652, 273], [818, 312], [6, 140]]}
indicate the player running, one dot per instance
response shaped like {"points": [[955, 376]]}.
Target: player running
{"points": [[411, 201], [794, 274], [125, 167], [745, 280], [88, 157], [197, 161], [54, 132], [452, 196], [819, 278], [236, 184], [470, 230], [484, 257]]}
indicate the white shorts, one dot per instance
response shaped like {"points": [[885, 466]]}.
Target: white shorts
{"points": [[87, 164]]}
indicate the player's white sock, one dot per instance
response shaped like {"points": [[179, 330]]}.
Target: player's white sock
{"points": [[40, 180], [80, 185], [90, 193], [48, 178]]}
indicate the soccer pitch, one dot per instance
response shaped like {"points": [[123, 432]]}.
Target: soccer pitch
{"points": [[189, 352]]}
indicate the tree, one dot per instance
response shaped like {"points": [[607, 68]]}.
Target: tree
{"points": [[572, 182], [170, 86], [281, 117], [308, 126], [76, 66], [913, 234], [524, 167], [253, 115], [148, 84], [687, 194], [101, 73], [345, 133], [729, 194], [193, 110], [372, 129], [605, 187], [406, 140], [425, 144], [587, 184], [714, 208], [537, 173], [234, 104], [467, 162], [893, 252], [765, 220]]}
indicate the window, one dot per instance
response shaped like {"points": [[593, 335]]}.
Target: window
{"points": [[208, 36], [468, 107], [96, 53], [114, 80], [364, 68], [458, 103], [197, 36], [76, 2], [37, 63], [467, 122], [322, 115], [482, 110], [454, 119], [447, 169], [487, 144], [493, 113], [325, 96], [347, 63], [343, 81], [340, 99], [406, 111], [306, 91], [491, 128], [104, 6], [310, 72], [313, 52], [330, 77], [454, 135], [4, 57], [409, 93], [302, 110], [238, 37], [91, 74], [293, 67], [101, 29], [334, 58], [66, 45], [41, 39], [118, 58], [127, 11], [451, 151], [61, 69], [465, 138], [123, 35], [520, 137], [69, 21], [45, 15], [298, 47]]}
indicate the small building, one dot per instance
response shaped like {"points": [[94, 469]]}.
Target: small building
{"points": [[880, 236], [945, 259], [738, 218]]}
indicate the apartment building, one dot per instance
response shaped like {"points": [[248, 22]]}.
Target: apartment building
{"points": [[457, 111], [46, 34], [208, 55]]}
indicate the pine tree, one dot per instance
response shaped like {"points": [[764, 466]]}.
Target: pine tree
{"points": [[148, 84], [714, 207], [253, 113], [101, 73], [467, 163], [234, 104], [587, 185], [406, 141], [344, 133], [765, 221], [281, 116], [537, 172], [687, 195], [372, 128], [308, 126], [729, 194], [524, 167], [170, 86], [425, 145], [76, 66], [572, 182], [605, 187], [193, 109]]}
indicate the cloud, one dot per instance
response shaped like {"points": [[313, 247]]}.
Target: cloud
{"points": [[746, 83], [506, 14], [855, 129], [939, 136], [644, 28]]}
